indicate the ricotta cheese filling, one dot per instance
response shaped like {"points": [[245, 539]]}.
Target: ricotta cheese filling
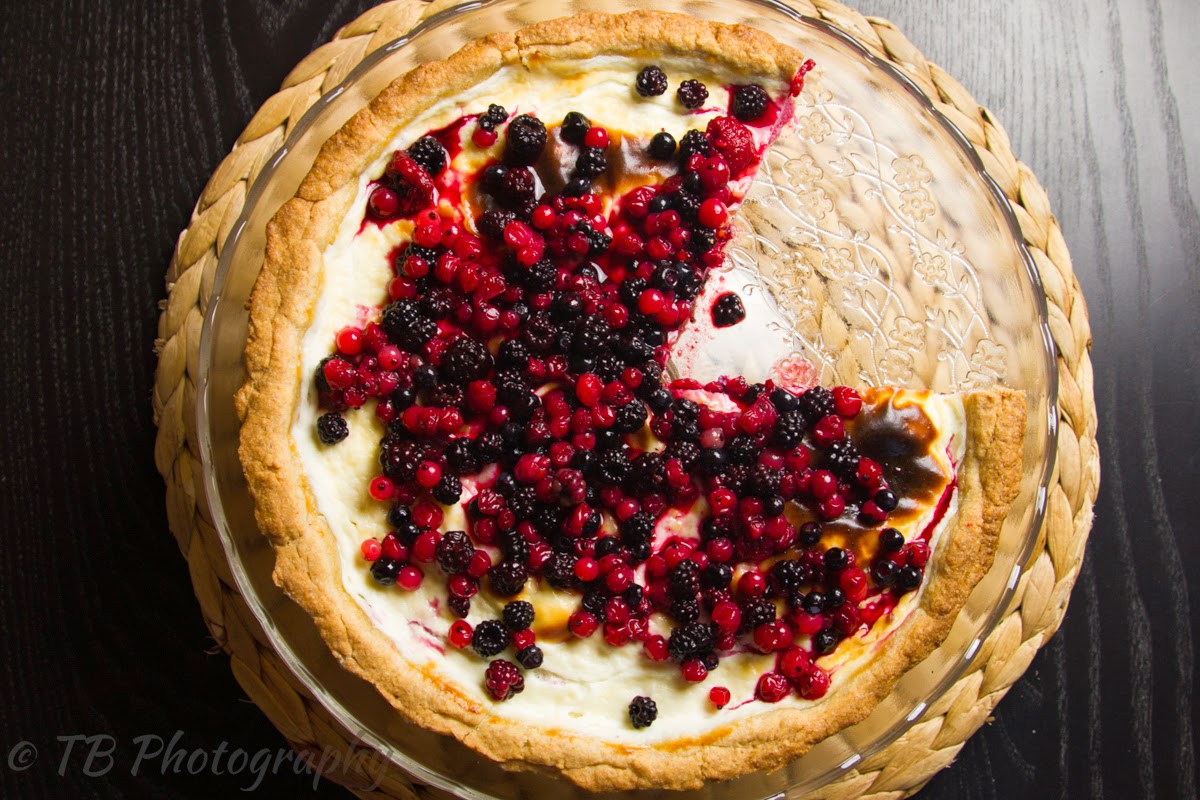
{"points": [[584, 685]]}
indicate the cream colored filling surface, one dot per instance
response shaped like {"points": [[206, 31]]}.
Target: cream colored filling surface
{"points": [[585, 685]]}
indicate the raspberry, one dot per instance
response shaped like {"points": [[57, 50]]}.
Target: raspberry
{"points": [[410, 182], [332, 428], [692, 93], [642, 712], [732, 140], [651, 82], [503, 679], [749, 102]]}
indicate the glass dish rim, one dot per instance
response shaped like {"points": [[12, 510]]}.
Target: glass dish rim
{"points": [[245, 587]]}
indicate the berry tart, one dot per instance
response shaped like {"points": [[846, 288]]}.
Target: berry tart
{"points": [[480, 475]]}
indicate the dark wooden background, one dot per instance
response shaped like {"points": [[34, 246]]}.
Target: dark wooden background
{"points": [[116, 113]]}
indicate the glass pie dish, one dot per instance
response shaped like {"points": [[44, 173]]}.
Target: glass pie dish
{"points": [[872, 247]]}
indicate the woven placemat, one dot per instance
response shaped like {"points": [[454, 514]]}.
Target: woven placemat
{"points": [[900, 769]]}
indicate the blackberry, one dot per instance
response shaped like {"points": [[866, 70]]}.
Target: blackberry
{"points": [[531, 657], [492, 223], [517, 189], [642, 712], [489, 638], [631, 417], [513, 353], [523, 502], [907, 578], [662, 146], [407, 326], [647, 472], [686, 452], [577, 187], [447, 395], [631, 289], [790, 428], [518, 615], [425, 376], [690, 640], [384, 570], [448, 490], [787, 575], [825, 641], [526, 140], [429, 154], [595, 602], [613, 466], [693, 142], [687, 204], [717, 576], [742, 449], [728, 310], [749, 102], [438, 302], [684, 579], [559, 571], [816, 403], [638, 528], [565, 307], [842, 459], [332, 428], [590, 163], [810, 534], [400, 463], [598, 241], [466, 360], [755, 612], [685, 609], [703, 239], [651, 82], [540, 332], [496, 114], [514, 546], [574, 127], [454, 552], [488, 446], [459, 606], [460, 456], [766, 481], [511, 385], [692, 93]]}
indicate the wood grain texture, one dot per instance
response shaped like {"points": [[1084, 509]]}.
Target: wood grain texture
{"points": [[117, 113]]}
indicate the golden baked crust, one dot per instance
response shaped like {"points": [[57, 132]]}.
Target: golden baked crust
{"points": [[307, 563]]}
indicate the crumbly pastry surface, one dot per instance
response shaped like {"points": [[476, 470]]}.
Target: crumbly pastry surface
{"points": [[311, 556]]}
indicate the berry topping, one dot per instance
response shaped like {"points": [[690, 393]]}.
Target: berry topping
{"points": [[490, 638], [642, 712], [526, 140], [429, 155], [749, 102], [503, 680], [332, 428], [651, 82], [692, 93], [662, 146], [728, 310]]}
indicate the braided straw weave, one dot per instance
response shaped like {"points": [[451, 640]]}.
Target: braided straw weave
{"points": [[900, 769]]}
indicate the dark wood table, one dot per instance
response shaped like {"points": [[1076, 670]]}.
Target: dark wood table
{"points": [[116, 113]]}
